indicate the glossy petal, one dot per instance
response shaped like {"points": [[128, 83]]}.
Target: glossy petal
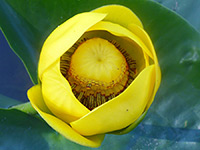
{"points": [[64, 36], [35, 97], [121, 111], [120, 15], [147, 41], [118, 30], [131, 127], [58, 95]]}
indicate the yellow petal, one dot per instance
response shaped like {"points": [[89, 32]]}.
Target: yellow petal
{"points": [[64, 36], [58, 95], [35, 97], [121, 111], [130, 127], [119, 14], [118, 30], [147, 41]]}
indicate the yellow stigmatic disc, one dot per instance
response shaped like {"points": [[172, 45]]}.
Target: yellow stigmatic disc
{"points": [[97, 70]]}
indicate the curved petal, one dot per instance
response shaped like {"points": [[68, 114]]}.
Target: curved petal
{"points": [[121, 111], [147, 41], [119, 14], [35, 97], [64, 36], [118, 30], [58, 95], [130, 127]]}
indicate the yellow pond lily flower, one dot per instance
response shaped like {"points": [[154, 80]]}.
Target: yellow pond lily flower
{"points": [[98, 74]]}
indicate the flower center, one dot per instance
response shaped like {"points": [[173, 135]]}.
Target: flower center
{"points": [[97, 70]]}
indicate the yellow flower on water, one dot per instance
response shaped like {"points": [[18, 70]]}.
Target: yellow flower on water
{"points": [[98, 74]]}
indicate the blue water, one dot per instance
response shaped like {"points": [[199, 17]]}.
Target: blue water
{"points": [[14, 80]]}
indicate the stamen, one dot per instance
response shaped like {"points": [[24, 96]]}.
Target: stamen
{"points": [[103, 99], [73, 86], [91, 102], [80, 96], [99, 99], [97, 70]]}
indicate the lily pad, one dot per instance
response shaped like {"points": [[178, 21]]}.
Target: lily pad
{"points": [[173, 119], [25, 132], [187, 9], [6, 102]]}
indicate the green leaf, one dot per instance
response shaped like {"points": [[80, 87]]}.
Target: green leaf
{"points": [[173, 119], [26, 108], [188, 9], [24, 132], [6, 102]]}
